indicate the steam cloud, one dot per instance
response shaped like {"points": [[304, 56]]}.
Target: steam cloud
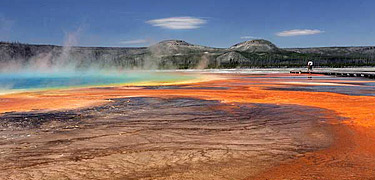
{"points": [[69, 57]]}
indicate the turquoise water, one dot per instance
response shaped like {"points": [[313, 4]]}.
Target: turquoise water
{"points": [[10, 82]]}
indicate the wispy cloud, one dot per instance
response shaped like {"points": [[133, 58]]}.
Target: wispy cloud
{"points": [[250, 37], [136, 41], [299, 32], [178, 22]]}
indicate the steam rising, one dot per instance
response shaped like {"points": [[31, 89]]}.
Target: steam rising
{"points": [[69, 58], [49, 59], [203, 63]]}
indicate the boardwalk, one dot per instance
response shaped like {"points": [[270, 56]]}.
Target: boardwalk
{"points": [[370, 75]]}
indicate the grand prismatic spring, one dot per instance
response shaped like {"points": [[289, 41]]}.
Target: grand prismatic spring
{"points": [[187, 125]]}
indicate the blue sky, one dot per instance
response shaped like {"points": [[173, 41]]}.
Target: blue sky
{"points": [[218, 23]]}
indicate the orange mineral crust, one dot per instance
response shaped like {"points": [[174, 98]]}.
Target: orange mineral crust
{"points": [[357, 109], [351, 156]]}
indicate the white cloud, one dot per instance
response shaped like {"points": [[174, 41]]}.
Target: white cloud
{"points": [[299, 32], [178, 22], [136, 41], [249, 37]]}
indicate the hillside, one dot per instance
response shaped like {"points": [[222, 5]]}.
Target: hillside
{"points": [[178, 54], [337, 51], [257, 45], [36, 55]]}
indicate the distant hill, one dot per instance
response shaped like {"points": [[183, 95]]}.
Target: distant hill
{"points": [[178, 54], [175, 47], [257, 45]]}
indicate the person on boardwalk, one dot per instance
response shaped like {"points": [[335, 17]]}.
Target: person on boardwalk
{"points": [[309, 66]]}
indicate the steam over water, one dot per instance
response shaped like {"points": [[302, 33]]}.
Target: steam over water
{"points": [[14, 82]]}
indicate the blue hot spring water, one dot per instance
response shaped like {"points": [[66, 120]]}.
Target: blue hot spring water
{"points": [[27, 81]]}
